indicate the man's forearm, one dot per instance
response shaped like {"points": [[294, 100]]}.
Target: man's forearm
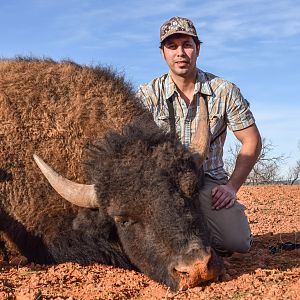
{"points": [[246, 160], [225, 195]]}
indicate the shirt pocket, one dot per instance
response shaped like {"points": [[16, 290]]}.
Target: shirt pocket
{"points": [[216, 122]]}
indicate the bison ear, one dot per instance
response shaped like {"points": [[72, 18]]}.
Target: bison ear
{"points": [[188, 182]]}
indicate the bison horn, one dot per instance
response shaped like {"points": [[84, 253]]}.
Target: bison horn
{"points": [[201, 139], [82, 195]]}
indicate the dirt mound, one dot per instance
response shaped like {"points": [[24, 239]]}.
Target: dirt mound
{"points": [[271, 270]]}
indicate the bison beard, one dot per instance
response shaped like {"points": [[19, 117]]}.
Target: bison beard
{"points": [[145, 182]]}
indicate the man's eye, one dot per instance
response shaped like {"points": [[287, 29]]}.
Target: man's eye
{"points": [[171, 47]]}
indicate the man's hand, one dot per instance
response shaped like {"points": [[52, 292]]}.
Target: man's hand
{"points": [[223, 196]]}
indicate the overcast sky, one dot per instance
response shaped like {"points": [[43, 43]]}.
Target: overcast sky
{"points": [[253, 43]]}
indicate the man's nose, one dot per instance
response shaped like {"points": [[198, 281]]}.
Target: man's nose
{"points": [[180, 51]]}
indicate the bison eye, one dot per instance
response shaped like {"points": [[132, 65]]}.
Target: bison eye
{"points": [[123, 221]]}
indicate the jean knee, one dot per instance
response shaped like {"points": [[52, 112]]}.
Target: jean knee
{"points": [[240, 244], [233, 244]]}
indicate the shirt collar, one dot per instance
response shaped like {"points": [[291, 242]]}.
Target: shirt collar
{"points": [[201, 86], [170, 87]]}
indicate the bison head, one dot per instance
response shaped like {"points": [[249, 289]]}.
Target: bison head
{"points": [[145, 184]]}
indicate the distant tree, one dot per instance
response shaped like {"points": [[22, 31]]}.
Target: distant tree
{"points": [[294, 172], [267, 167]]}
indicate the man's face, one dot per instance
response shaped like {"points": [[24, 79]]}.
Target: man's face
{"points": [[181, 52]]}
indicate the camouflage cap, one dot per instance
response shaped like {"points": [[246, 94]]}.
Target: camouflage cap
{"points": [[177, 25]]}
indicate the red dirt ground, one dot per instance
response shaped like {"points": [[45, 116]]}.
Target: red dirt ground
{"points": [[274, 216]]}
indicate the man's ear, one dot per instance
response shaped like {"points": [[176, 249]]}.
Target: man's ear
{"points": [[198, 49], [162, 52]]}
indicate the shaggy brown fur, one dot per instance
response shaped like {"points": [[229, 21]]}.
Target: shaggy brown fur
{"points": [[54, 110], [88, 125]]}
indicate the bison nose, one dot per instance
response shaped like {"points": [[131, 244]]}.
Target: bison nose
{"points": [[199, 270]]}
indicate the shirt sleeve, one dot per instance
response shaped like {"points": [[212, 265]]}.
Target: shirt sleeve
{"points": [[239, 115], [144, 95]]}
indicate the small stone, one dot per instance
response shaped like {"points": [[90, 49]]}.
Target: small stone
{"points": [[18, 261]]}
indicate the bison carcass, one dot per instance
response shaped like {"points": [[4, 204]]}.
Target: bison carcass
{"points": [[134, 206]]}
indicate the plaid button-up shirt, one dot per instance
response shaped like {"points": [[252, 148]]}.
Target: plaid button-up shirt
{"points": [[226, 107]]}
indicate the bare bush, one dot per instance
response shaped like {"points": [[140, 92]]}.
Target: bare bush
{"points": [[294, 172], [266, 170]]}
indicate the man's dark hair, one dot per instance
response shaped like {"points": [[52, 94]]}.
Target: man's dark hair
{"points": [[196, 40]]}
